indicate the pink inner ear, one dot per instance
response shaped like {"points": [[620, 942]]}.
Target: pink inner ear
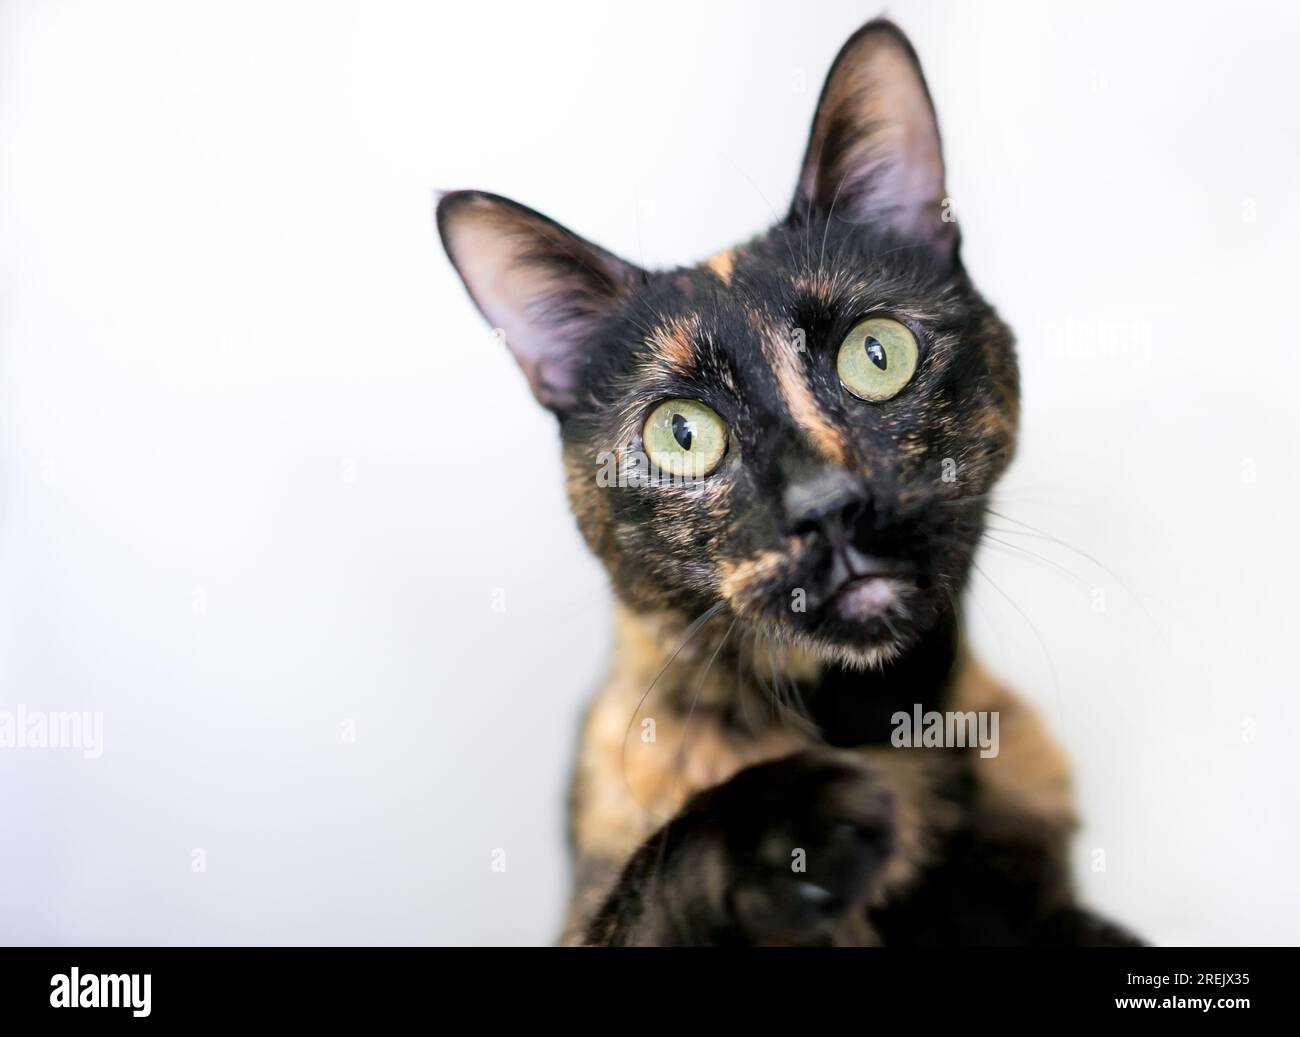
{"points": [[486, 249], [875, 152], [541, 286], [906, 141]]}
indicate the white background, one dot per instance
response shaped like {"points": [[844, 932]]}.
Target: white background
{"points": [[262, 467]]}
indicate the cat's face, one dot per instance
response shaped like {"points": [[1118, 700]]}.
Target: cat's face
{"points": [[802, 430]]}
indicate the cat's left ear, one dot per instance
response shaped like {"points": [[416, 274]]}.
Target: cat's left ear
{"points": [[874, 155], [544, 287]]}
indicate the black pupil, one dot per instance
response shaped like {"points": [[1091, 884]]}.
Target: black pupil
{"points": [[876, 353], [683, 432]]}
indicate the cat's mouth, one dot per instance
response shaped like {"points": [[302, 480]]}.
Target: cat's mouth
{"points": [[864, 588], [865, 598], [869, 604], [837, 599]]}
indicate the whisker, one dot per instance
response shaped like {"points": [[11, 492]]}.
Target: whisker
{"points": [[1042, 644], [695, 698], [821, 262], [1035, 556], [796, 696], [681, 757], [987, 615], [781, 698], [776, 217], [784, 694], [776, 683], [689, 635], [1033, 532], [742, 693]]}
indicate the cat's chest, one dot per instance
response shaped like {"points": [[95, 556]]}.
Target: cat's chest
{"points": [[641, 759], [637, 770]]}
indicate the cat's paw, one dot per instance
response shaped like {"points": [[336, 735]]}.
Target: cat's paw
{"points": [[805, 839]]}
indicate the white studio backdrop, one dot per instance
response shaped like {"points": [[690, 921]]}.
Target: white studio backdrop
{"points": [[266, 479]]}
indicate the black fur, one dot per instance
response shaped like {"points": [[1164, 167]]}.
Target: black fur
{"points": [[604, 342]]}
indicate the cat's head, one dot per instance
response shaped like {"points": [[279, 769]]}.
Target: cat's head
{"points": [[801, 430]]}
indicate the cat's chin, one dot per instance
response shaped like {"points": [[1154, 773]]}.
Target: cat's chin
{"points": [[867, 623], [857, 646], [864, 624], [850, 656]]}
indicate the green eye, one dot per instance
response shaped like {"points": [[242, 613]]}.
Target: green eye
{"points": [[683, 437], [877, 359]]}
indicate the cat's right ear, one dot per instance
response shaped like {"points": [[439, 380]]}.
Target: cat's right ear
{"points": [[544, 288]]}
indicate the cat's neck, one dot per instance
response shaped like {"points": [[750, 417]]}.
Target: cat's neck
{"points": [[722, 667]]}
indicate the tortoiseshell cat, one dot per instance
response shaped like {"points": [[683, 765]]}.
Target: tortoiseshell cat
{"points": [[783, 458]]}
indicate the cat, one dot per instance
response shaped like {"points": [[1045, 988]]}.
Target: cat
{"points": [[783, 457]]}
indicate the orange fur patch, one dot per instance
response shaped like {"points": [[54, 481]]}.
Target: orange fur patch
{"points": [[815, 285], [722, 264], [674, 343], [743, 583], [632, 776], [784, 359]]}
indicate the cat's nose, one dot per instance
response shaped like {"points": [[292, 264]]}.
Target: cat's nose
{"points": [[831, 502]]}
